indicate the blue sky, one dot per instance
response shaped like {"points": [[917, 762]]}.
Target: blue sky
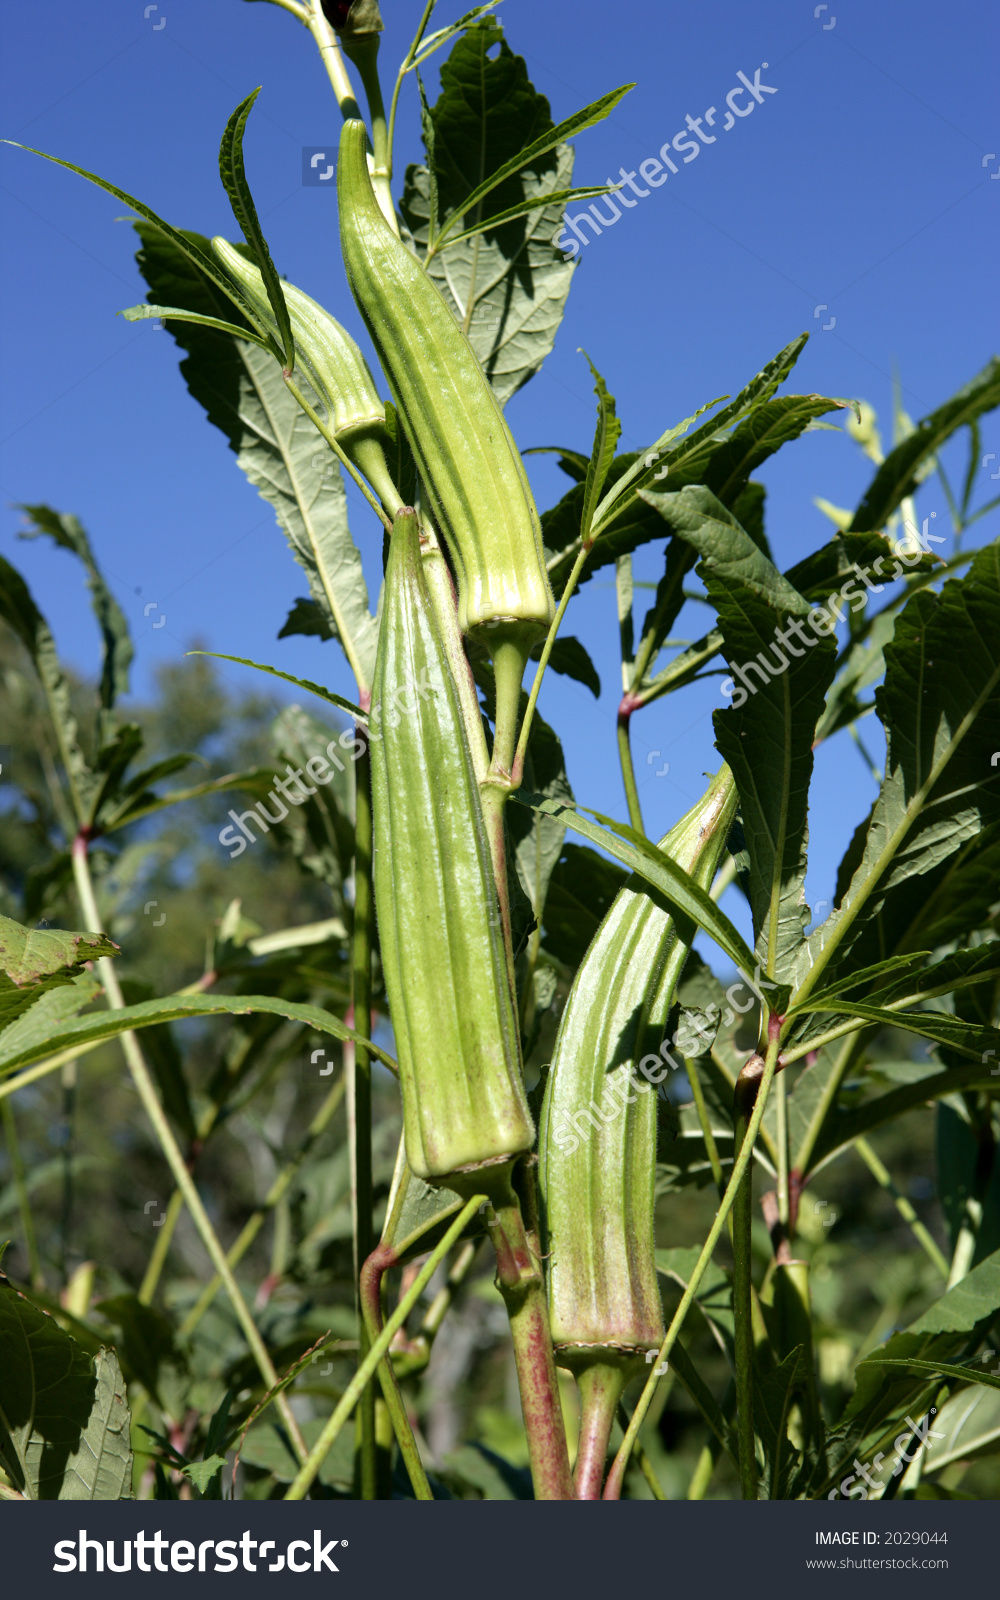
{"points": [[860, 186]]}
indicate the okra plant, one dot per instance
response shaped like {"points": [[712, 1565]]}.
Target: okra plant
{"points": [[567, 1083]]}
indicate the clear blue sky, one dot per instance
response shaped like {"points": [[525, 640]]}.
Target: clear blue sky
{"points": [[859, 185]]}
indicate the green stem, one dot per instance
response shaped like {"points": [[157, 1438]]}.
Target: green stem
{"points": [[333, 442], [628, 770], [747, 1085], [882, 1175], [601, 1386], [363, 51], [415, 1354], [612, 1490], [23, 1202], [407, 62], [702, 1474], [377, 1264], [520, 1281], [642, 1459], [161, 1249], [143, 1080], [333, 61], [278, 1189], [550, 639], [705, 1121], [849, 1052], [361, 963], [366, 1371], [69, 1077], [781, 1140]]}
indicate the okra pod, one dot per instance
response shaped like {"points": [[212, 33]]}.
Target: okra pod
{"points": [[467, 459], [443, 957], [597, 1140]]}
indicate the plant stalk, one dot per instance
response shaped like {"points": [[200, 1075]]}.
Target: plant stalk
{"points": [[161, 1249], [143, 1080], [333, 61], [612, 1489], [628, 769], [376, 1265], [882, 1175], [601, 1386], [324, 1444], [520, 1281], [256, 1220], [361, 989]]}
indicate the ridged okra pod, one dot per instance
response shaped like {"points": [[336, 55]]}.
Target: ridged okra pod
{"points": [[476, 485], [440, 933], [334, 367], [597, 1140]]}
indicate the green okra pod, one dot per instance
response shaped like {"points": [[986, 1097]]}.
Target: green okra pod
{"points": [[597, 1138], [334, 367], [467, 459], [440, 932]]}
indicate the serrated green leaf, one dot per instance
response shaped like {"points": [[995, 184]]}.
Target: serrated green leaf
{"points": [[602, 452], [64, 1423], [721, 460], [300, 683], [899, 474], [940, 705], [767, 735], [639, 855], [508, 286], [244, 394], [30, 955], [183, 242], [965, 1037], [118, 651], [234, 180], [201, 1473], [106, 1025]]}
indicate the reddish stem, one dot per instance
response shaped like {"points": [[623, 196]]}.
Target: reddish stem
{"points": [[601, 1387]]}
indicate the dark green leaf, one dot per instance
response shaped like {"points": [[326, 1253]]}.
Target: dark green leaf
{"points": [[64, 1423], [300, 683], [69, 533], [940, 705], [508, 286], [307, 619], [19, 611], [243, 393], [581, 890], [234, 179], [106, 1025], [147, 1339], [767, 734], [899, 474], [651, 863], [570, 658]]}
